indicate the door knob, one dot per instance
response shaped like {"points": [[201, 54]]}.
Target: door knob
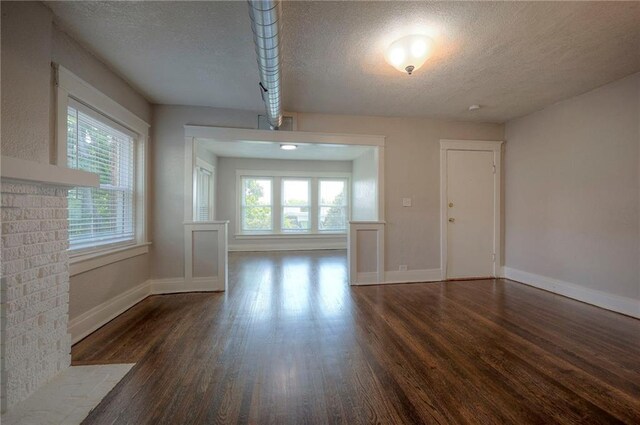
{"points": [[452, 220]]}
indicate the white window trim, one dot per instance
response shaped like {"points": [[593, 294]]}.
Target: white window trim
{"points": [[272, 205], [277, 176], [68, 85], [319, 205], [212, 190], [310, 192], [86, 262]]}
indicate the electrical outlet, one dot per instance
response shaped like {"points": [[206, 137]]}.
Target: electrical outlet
{"points": [[406, 202], [403, 268]]}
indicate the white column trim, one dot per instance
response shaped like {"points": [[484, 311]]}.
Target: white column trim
{"points": [[378, 276]]}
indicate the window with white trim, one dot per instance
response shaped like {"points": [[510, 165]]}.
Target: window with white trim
{"points": [[105, 215], [332, 205], [290, 203], [257, 204], [204, 191], [204, 183], [296, 204]]}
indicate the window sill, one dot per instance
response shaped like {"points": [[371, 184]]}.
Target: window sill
{"points": [[86, 262], [241, 236]]}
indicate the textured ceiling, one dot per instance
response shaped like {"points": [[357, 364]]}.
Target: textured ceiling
{"points": [[511, 58]]}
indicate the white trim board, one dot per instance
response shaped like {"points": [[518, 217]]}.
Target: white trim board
{"points": [[217, 230], [90, 321], [69, 89], [231, 134], [289, 236], [85, 263], [291, 246], [179, 285], [411, 276], [85, 92], [616, 303], [47, 174], [352, 252], [394, 276]]}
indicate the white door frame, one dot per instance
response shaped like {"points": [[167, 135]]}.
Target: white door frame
{"points": [[472, 145]]}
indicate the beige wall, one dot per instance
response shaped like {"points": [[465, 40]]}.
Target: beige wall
{"points": [[412, 170], [96, 286], [167, 177], [572, 190], [30, 42], [26, 80]]}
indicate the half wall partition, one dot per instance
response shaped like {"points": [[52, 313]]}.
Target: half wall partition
{"points": [[366, 194]]}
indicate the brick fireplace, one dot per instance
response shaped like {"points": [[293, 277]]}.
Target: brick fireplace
{"points": [[35, 288], [34, 295]]}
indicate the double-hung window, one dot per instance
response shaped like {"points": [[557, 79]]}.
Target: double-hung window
{"points": [[257, 204], [204, 191], [296, 204], [96, 134], [290, 203], [105, 215], [332, 205], [204, 183]]}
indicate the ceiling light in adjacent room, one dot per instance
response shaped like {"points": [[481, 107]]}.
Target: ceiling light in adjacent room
{"points": [[288, 147], [409, 53]]}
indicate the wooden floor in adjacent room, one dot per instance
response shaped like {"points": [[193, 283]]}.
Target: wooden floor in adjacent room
{"points": [[292, 343]]}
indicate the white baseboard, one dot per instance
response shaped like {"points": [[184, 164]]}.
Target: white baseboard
{"points": [[102, 314], [95, 318], [411, 276], [367, 278], [290, 246], [178, 285], [624, 305], [408, 276]]}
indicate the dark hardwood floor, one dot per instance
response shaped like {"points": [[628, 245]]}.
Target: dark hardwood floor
{"points": [[291, 342]]}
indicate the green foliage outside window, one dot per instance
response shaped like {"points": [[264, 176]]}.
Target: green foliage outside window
{"points": [[333, 218], [257, 208], [104, 212], [256, 215]]}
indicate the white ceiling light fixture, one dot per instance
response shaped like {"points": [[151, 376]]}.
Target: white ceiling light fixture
{"points": [[474, 107], [409, 53], [288, 147]]}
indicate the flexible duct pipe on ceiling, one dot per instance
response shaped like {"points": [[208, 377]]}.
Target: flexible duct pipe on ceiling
{"points": [[266, 25]]}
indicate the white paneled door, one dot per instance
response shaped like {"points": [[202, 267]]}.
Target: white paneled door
{"points": [[470, 203]]}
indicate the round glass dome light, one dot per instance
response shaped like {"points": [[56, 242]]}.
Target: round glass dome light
{"points": [[409, 53]]}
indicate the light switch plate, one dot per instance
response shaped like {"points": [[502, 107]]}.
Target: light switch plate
{"points": [[406, 202], [402, 268]]}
